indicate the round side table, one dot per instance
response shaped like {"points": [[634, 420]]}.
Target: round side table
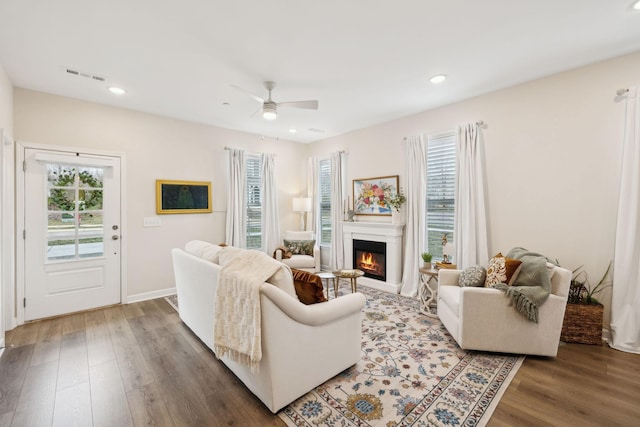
{"points": [[352, 275], [327, 278]]}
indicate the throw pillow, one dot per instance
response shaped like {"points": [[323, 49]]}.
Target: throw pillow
{"points": [[204, 250], [300, 247], [502, 270], [283, 279], [473, 276], [308, 286]]}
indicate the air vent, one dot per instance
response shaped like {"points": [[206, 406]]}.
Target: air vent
{"points": [[315, 130], [86, 75]]}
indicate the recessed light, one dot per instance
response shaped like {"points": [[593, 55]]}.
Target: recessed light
{"points": [[117, 90], [438, 78], [292, 131], [636, 5]]}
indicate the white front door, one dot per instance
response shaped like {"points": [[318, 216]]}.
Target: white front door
{"points": [[72, 232]]}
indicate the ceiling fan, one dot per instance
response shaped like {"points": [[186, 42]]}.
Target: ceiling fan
{"points": [[270, 107]]}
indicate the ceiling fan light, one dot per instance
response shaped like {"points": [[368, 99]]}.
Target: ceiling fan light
{"points": [[116, 90], [437, 79], [269, 112]]}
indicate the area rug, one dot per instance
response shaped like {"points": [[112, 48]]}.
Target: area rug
{"points": [[412, 373]]}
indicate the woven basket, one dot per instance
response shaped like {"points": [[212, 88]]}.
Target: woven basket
{"points": [[582, 324]]}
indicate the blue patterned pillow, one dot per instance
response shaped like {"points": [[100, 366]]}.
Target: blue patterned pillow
{"points": [[473, 276]]}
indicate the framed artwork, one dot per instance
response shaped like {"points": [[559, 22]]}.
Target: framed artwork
{"points": [[369, 195], [181, 197]]}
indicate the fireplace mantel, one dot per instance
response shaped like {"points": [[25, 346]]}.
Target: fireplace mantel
{"points": [[386, 232]]}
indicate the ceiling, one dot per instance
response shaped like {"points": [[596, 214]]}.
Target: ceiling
{"points": [[365, 61]]}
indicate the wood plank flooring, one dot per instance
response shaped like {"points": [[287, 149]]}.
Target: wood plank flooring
{"points": [[137, 364]]}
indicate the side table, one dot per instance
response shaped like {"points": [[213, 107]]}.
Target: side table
{"points": [[326, 278], [428, 291], [352, 275]]}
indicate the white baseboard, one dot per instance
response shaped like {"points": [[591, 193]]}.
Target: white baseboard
{"points": [[150, 295], [380, 285]]}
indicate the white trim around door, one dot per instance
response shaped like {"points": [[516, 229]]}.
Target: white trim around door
{"points": [[21, 202]]}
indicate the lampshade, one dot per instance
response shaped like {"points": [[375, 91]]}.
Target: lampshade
{"points": [[302, 204]]}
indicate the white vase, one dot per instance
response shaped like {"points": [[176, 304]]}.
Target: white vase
{"points": [[397, 217]]}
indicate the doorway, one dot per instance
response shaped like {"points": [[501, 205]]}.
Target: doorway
{"points": [[71, 252]]}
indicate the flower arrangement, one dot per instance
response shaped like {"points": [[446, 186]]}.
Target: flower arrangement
{"points": [[397, 200]]}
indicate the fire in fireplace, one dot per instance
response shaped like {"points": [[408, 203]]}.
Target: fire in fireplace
{"points": [[370, 257]]}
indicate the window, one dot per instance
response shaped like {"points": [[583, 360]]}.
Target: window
{"points": [[441, 187], [324, 182], [254, 201]]}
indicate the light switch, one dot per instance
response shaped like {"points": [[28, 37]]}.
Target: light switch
{"points": [[152, 221]]}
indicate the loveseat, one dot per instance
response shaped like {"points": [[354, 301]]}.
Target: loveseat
{"points": [[482, 318], [302, 345]]}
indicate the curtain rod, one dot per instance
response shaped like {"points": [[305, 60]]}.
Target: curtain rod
{"points": [[621, 92], [478, 123]]}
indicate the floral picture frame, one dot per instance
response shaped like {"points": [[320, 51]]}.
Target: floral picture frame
{"points": [[370, 194]]}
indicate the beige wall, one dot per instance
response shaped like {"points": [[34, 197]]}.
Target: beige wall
{"points": [[6, 216], [553, 150], [156, 148], [6, 102]]}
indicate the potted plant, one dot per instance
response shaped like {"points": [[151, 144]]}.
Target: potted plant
{"points": [[426, 257], [583, 315], [395, 202]]}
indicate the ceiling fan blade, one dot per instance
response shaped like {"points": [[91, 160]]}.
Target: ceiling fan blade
{"points": [[310, 105], [259, 110], [256, 97]]}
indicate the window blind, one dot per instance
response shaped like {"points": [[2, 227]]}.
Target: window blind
{"points": [[254, 201], [441, 188], [324, 182]]}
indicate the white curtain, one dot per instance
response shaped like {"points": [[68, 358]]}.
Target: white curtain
{"points": [[312, 192], [415, 210], [625, 300], [338, 196], [236, 222], [270, 212], [471, 242]]}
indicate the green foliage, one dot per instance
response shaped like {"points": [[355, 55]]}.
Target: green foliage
{"points": [[426, 256], [581, 291], [63, 199], [397, 200]]}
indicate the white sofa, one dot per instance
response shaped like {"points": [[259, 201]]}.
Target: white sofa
{"points": [[302, 345], [484, 319], [310, 263]]}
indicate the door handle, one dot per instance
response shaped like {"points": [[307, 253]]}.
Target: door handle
{"points": [[115, 237]]}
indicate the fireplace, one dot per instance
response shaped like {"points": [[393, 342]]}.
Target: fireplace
{"points": [[371, 258]]}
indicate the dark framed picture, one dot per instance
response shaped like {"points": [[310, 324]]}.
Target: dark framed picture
{"points": [[181, 197], [370, 195]]}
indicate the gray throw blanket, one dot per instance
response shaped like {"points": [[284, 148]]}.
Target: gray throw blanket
{"points": [[532, 286]]}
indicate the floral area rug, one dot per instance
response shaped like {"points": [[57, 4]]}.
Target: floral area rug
{"points": [[412, 373]]}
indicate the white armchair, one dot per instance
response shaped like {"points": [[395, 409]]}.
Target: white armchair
{"points": [[310, 263], [484, 319]]}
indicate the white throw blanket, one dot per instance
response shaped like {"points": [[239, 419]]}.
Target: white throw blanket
{"points": [[237, 328]]}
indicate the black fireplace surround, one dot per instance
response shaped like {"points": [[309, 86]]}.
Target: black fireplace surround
{"points": [[371, 258]]}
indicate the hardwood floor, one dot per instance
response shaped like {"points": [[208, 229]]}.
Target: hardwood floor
{"points": [[139, 365]]}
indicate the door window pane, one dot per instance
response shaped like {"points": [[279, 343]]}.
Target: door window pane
{"points": [[75, 212]]}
